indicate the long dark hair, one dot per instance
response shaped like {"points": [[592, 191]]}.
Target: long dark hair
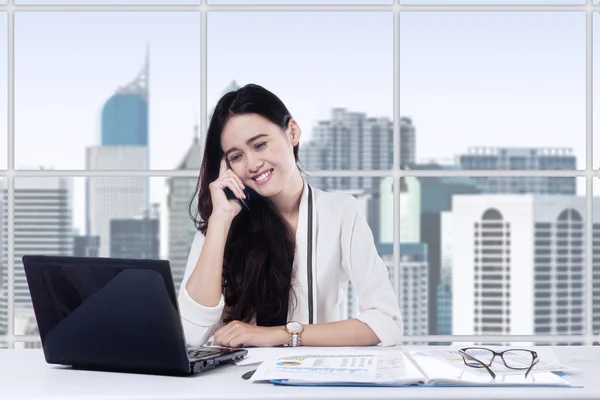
{"points": [[259, 252]]}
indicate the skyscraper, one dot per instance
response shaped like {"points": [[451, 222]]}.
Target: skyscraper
{"points": [[519, 264], [124, 138], [125, 113], [408, 145], [136, 237], [411, 280], [43, 217], [3, 260], [350, 141], [110, 197], [181, 227], [422, 201], [522, 158]]}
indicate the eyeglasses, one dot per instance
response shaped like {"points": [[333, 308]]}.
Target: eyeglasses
{"points": [[481, 357]]}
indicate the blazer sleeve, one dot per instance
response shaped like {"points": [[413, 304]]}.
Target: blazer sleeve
{"points": [[377, 302], [198, 322]]}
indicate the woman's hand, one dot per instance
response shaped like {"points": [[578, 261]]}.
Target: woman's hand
{"points": [[241, 334], [221, 204]]}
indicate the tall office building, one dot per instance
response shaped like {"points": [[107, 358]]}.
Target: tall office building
{"points": [[124, 139], [3, 260], [125, 113], [181, 227], [86, 246], [114, 197], [422, 201], [136, 237], [444, 287], [498, 158], [411, 281], [3, 311], [43, 215], [519, 264], [408, 145], [350, 141], [596, 274]]}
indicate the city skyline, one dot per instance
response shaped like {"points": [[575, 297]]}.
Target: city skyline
{"points": [[443, 128], [509, 205], [158, 188], [466, 81]]}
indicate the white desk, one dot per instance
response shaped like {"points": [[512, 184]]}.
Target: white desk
{"points": [[24, 375]]}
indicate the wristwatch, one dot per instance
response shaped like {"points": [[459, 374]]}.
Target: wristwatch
{"points": [[294, 328]]}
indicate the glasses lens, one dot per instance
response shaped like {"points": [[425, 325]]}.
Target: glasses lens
{"points": [[483, 355], [518, 359]]}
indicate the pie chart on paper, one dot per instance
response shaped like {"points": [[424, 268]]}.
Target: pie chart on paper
{"points": [[289, 363]]}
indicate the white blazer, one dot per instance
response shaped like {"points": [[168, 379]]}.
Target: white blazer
{"points": [[343, 249]]}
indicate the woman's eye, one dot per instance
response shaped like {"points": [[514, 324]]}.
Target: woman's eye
{"points": [[234, 158], [261, 144]]}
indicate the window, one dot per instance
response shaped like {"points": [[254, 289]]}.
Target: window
{"points": [[431, 130], [3, 89], [461, 70], [526, 270], [117, 95]]}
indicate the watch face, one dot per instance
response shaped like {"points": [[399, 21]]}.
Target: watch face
{"points": [[294, 326]]}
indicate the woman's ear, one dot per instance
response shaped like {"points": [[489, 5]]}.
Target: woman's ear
{"points": [[294, 131]]}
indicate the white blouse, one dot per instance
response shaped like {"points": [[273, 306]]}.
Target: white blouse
{"points": [[343, 249]]}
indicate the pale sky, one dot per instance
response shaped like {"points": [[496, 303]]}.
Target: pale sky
{"points": [[493, 79], [465, 78], [3, 88]]}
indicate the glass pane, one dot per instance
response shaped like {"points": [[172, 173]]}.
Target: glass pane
{"points": [[3, 89], [299, 2], [108, 2], [107, 216], [379, 215], [122, 93], [3, 257], [506, 255], [596, 260], [478, 93], [336, 80], [596, 87]]}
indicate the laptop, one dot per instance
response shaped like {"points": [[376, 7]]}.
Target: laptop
{"points": [[114, 314]]}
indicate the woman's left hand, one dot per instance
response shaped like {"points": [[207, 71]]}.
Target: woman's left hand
{"points": [[241, 334]]}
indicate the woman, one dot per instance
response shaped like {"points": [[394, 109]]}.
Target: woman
{"points": [[271, 274]]}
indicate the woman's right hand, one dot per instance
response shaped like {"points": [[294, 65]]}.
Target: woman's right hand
{"points": [[222, 206]]}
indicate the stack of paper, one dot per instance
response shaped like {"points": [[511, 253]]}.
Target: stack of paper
{"points": [[392, 368]]}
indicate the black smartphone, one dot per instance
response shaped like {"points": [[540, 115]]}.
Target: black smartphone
{"points": [[229, 193]]}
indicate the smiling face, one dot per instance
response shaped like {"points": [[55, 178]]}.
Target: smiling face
{"points": [[260, 152]]}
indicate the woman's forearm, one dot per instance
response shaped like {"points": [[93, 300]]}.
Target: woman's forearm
{"points": [[350, 332], [204, 284]]}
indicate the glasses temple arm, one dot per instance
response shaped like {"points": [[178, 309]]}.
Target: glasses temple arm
{"points": [[485, 366], [535, 361]]}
